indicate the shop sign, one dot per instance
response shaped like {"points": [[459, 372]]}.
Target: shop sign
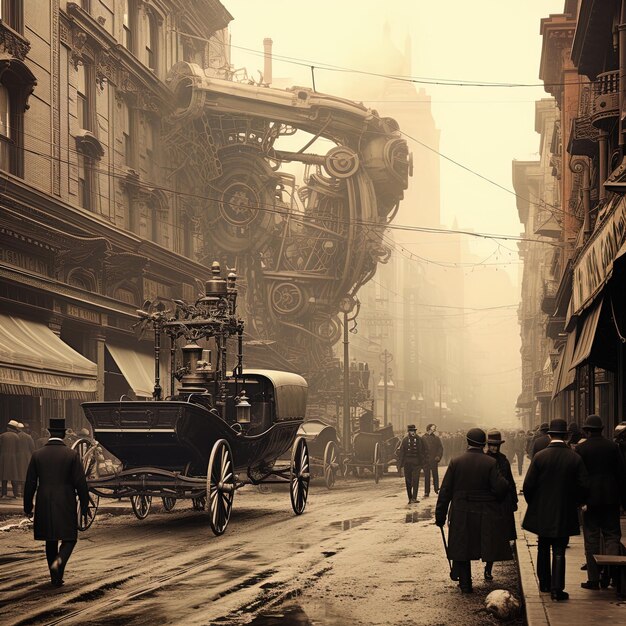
{"points": [[595, 265]]}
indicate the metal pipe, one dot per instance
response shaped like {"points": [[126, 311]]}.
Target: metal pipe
{"points": [[346, 384]]}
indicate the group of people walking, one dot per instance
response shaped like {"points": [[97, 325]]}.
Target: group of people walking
{"points": [[565, 482], [16, 448]]}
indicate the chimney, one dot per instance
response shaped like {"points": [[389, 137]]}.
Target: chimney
{"points": [[267, 65]]}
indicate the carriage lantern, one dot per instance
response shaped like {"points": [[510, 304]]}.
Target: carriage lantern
{"points": [[243, 409]]}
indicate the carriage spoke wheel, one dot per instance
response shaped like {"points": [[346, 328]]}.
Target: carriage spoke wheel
{"points": [[198, 504], [330, 464], [168, 503], [87, 452], [300, 475], [141, 505], [220, 486], [378, 466]]}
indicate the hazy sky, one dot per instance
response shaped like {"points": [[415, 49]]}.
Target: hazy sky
{"points": [[487, 40]]}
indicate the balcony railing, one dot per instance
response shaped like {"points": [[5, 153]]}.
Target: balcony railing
{"points": [[605, 100]]}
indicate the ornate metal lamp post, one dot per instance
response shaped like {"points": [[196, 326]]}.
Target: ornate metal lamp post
{"points": [[346, 305]]}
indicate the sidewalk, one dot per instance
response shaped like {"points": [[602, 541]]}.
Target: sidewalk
{"points": [[584, 607]]}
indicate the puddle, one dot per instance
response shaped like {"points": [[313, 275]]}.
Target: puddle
{"points": [[294, 615], [419, 516], [347, 524]]}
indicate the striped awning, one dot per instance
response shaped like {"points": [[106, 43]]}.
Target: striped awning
{"points": [[36, 362], [565, 376], [587, 335]]}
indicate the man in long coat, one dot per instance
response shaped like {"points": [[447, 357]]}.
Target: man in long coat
{"points": [[607, 491], [411, 457], [555, 485], [56, 474], [540, 440], [9, 466], [24, 452], [471, 488], [434, 452]]}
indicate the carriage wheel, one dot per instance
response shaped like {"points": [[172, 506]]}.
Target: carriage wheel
{"points": [[168, 503], [87, 452], [300, 475], [330, 464], [198, 504], [378, 466], [141, 505], [220, 486]]}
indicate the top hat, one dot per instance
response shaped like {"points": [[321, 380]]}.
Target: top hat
{"points": [[13, 424], [57, 423], [557, 427], [494, 437], [593, 422], [476, 436], [411, 427]]}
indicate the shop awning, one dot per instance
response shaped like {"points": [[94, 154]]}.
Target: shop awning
{"points": [[565, 376], [137, 368], [587, 335], [36, 362]]}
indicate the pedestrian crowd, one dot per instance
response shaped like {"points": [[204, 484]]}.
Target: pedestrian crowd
{"points": [[576, 477]]}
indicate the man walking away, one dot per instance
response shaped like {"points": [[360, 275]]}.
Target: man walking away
{"points": [[520, 450], [434, 452], [555, 485], [411, 460], [606, 492], [509, 502], [471, 489], [9, 466], [540, 440], [25, 450], [56, 474]]}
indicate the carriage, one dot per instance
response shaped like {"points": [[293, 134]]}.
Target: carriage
{"points": [[372, 451], [324, 453], [214, 434]]}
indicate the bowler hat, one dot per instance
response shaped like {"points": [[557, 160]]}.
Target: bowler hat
{"points": [[476, 436], [494, 437], [593, 422], [13, 424], [411, 427], [57, 423], [557, 427]]}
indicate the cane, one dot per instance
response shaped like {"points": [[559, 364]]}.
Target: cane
{"points": [[445, 545]]}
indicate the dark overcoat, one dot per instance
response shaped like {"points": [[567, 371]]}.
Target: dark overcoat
{"points": [[9, 449], [25, 451], [56, 474], [411, 450], [607, 479], [555, 485], [433, 448], [472, 487], [509, 502], [541, 442]]}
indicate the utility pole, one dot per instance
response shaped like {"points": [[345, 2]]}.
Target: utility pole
{"points": [[346, 384], [386, 357]]}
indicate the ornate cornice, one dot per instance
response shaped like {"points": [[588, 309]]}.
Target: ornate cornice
{"points": [[13, 43]]}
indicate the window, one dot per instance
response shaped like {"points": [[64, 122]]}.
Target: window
{"points": [[5, 134], [152, 160], [11, 14], [152, 41], [85, 182], [128, 25], [128, 143], [84, 98]]}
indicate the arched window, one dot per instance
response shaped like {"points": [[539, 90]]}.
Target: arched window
{"points": [[16, 84]]}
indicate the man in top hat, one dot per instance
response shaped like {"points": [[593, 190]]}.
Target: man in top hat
{"points": [[24, 452], [411, 457], [56, 474], [434, 452], [9, 466], [471, 489], [607, 491], [540, 441], [509, 502], [555, 485]]}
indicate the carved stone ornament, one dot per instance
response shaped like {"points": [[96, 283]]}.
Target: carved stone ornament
{"points": [[13, 43], [79, 39], [88, 144]]}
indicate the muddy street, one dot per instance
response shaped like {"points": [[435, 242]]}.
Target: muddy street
{"points": [[356, 547]]}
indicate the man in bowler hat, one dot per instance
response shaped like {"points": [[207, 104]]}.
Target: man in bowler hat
{"points": [[411, 458], [472, 487], [606, 492], [555, 485], [56, 475]]}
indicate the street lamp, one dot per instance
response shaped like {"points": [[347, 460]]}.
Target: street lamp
{"points": [[386, 357], [346, 305]]}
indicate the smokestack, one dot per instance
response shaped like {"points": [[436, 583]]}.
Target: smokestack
{"points": [[267, 66]]}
